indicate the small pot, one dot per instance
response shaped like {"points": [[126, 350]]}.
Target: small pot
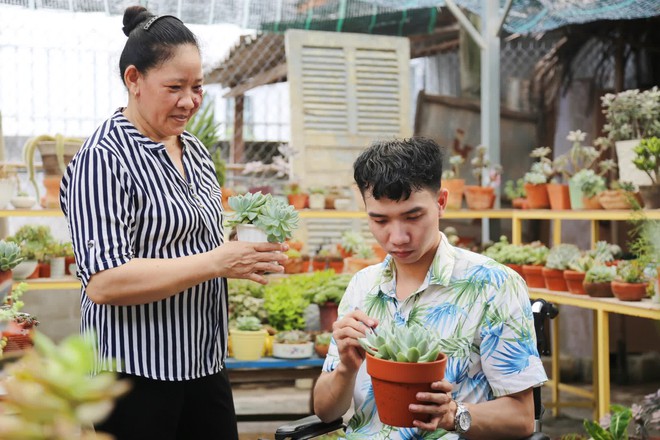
{"points": [[537, 196], [293, 351], [554, 280], [479, 197], [559, 196], [651, 196], [599, 290], [533, 275], [517, 267], [574, 281], [455, 187], [251, 234], [629, 291]]}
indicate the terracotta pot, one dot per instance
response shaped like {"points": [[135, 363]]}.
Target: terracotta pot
{"points": [[68, 261], [44, 270], [321, 350], [650, 195], [343, 252], [396, 385], [51, 199], [629, 291], [293, 265], [226, 193], [319, 263], [354, 264], [554, 280], [520, 203], [591, 203], [328, 315], [533, 275], [599, 290], [559, 196], [537, 196], [619, 199], [517, 267], [455, 187], [479, 197], [574, 280], [336, 264], [298, 201]]}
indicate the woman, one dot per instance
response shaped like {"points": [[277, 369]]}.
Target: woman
{"points": [[144, 211]]}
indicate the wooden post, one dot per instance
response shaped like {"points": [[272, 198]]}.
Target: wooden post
{"points": [[238, 144]]}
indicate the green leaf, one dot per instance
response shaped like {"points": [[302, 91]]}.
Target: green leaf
{"points": [[596, 431]]}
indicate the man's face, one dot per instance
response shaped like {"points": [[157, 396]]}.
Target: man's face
{"points": [[407, 229]]}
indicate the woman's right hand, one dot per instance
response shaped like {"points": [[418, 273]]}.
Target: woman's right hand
{"points": [[346, 332], [240, 259]]}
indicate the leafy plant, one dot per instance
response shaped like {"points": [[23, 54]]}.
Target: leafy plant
{"points": [[248, 324], [582, 264], [53, 394], [632, 114], [33, 240], [505, 252], [402, 343], [515, 189], [646, 415], [561, 256], [616, 428], [600, 273], [543, 170], [10, 255], [292, 337], [204, 127], [590, 183], [351, 241], [582, 157], [647, 158], [11, 306], [332, 290], [285, 301], [323, 338], [535, 253], [246, 298], [630, 271], [455, 162], [604, 252]]}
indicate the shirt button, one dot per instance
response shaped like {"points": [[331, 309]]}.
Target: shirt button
{"points": [[90, 244]]}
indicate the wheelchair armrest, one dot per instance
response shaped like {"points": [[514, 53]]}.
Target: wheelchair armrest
{"points": [[308, 427], [537, 436]]}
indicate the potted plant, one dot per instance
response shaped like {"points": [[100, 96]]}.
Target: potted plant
{"points": [[292, 344], [515, 192], [261, 217], [10, 257], [351, 241], [537, 178], [22, 200], [34, 241], [535, 254], [576, 272], [56, 152], [453, 183], [630, 116], [248, 338], [317, 197], [295, 262], [590, 185], [285, 301], [510, 255], [647, 159], [617, 429], [327, 296], [322, 343], [402, 361], [8, 184], [559, 259], [621, 195], [295, 195], [630, 282], [364, 256], [57, 252], [598, 279], [482, 195], [16, 326]]}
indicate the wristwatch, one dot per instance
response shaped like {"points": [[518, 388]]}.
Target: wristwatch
{"points": [[462, 419]]}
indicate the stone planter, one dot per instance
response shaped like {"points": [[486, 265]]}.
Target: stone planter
{"points": [[650, 195]]}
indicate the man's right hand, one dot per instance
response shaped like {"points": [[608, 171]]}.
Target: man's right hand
{"points": [[346, 332]]}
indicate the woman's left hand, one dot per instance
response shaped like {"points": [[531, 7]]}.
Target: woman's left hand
{"points": [[439, 404]]}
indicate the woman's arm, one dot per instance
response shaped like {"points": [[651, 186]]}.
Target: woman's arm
{"points": [[144, 280]]}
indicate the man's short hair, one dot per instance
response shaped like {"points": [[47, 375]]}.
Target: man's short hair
{"points": [[395, 168]]}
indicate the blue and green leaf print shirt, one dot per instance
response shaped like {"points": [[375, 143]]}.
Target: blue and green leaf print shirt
{"points": [[483, 314]]}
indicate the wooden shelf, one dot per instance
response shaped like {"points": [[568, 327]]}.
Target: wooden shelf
{"points": [[67, 283], [36, 212]]}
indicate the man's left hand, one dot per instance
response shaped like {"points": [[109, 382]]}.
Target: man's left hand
{"points": [[439, 404]]}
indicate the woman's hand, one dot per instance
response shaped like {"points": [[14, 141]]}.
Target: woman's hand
{"points": [[240, 259], [346, 332], [439, 404]]}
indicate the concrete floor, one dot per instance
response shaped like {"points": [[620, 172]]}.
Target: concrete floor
{"points": [[280, 398]]}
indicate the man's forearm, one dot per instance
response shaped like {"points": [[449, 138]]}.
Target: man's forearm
{"points": [[333, 394], [508, 417]]}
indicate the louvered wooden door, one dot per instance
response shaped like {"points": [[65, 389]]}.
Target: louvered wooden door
{"points": [[345, 91]]}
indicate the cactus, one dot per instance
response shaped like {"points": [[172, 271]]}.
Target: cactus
{"points": [[412, 343], [10, 255]]}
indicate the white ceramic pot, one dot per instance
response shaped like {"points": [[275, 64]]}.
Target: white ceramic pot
{"points": [[23, 202], [24, 269], [316, 201], [57, 267], [628, 172], [7, 190], [293, 351], [251, 234]]}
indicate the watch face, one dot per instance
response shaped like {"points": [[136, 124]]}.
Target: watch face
{"points": [[464, 420]]}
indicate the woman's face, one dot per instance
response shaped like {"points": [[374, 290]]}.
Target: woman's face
{"points": [[170, 94]]}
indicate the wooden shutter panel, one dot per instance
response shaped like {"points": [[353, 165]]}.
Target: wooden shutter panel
{"points": [[345, 91]]}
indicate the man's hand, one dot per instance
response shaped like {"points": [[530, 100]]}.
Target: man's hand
{"points": [[439, 404], [346, 333]]}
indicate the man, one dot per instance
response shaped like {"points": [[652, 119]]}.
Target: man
{"points": [[480, 309]]}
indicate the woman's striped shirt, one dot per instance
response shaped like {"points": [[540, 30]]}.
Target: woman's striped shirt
{"points": [[124, 198]]}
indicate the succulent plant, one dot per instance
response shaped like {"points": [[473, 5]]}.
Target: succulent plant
{"points": [[248, 324], [351, 241], [505, 252], [605, 252], [10, 255], [582, 264], [600, 273], [630, 271], [247, 207], [276, 218], [535, 253], [323, 338], [365, 251], [401, 343], [561, 256], [292, 337]]}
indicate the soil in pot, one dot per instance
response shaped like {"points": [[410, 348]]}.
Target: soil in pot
{"points": [[396, 385]]}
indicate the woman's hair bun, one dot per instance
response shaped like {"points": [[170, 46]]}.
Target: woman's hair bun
{"points": [[133, 16]]}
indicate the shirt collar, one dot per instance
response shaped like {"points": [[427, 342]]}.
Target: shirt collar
{"points": [[134, 133], [439, 272]]}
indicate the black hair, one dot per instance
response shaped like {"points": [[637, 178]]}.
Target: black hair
{"points": [[395, 168], [148, 48]]}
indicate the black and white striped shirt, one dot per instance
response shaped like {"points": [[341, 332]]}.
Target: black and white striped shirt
{"points": [[124, 198]]}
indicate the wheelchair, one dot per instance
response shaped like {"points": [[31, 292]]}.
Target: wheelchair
{"points": [[311, 426]]}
